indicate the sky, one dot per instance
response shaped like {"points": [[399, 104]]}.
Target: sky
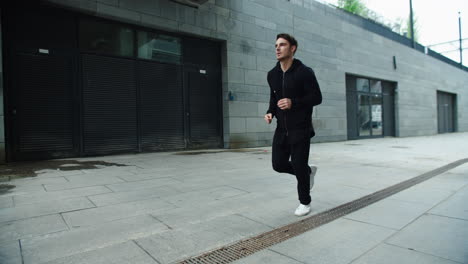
{"points": [[437, 21]]}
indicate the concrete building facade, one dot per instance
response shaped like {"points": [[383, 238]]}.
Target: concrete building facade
{"points": [[2, 119], [341, 48]]}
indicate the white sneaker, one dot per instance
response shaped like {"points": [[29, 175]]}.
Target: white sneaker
{"points": [[313, 171], [302, 210]]}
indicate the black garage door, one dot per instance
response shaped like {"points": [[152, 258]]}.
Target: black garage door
{"points": [[109, 105], [202, 79], [41, 109], [161, 106], [203, 107], [446, 112]]}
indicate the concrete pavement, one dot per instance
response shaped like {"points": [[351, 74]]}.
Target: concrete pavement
{"points": [[165, 207]]}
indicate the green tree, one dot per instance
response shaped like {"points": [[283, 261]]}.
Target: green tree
{"points": [[407, 30], [401, 26], [354, 6]]}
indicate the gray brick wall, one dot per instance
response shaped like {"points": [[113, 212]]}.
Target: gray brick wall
{"points": [[327, 42]]}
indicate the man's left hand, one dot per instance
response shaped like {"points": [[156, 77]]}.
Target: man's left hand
{"points": [[284, 103]]}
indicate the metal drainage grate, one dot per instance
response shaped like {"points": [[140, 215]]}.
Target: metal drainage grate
{"points": [[249, 246]]}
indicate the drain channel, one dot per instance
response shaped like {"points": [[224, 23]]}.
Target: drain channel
{"points": [[249, 246]]}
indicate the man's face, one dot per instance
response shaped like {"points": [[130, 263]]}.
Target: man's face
{"points": [[283, 49]]}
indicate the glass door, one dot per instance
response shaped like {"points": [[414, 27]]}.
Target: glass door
{"points": [[376, 114], [364, 115], [369, 114]]}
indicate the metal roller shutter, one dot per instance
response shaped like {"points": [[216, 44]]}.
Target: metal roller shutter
{"points": [[109, 105], [161, 106], [44, 114]]}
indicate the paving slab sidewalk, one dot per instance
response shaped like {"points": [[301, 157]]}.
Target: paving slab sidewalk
{"points": [[164, 207]]}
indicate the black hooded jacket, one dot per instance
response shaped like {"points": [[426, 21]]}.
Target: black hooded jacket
{"points": [[299, 84]]}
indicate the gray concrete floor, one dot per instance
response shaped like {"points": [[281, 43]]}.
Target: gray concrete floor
{"points": [[164, 207]]}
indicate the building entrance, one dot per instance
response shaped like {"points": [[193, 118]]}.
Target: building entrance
{"points": [[370, 108]]}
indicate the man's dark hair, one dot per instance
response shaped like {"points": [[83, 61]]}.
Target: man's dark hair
{"points": [[292, 41]]}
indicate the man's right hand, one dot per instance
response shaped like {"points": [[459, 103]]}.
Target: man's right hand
{"points": [[268, 118]]}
